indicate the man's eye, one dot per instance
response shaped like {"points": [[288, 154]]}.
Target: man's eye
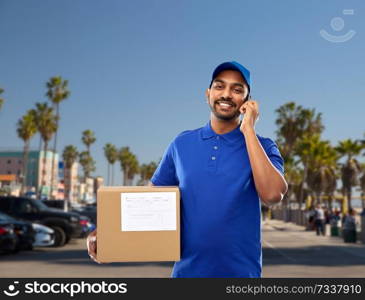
{"points": [[238, 91], [218, 86]]}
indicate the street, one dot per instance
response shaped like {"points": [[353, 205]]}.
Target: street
{"points": [[288, 251]]}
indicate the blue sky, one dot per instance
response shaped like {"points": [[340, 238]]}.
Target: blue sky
{"points": [[138, 70]]}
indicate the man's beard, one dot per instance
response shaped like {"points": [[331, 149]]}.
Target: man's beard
{"points": [[224, 117]]}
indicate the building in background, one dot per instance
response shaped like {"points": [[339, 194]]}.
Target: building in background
{"points": [[11, 163], [86, 190], [9, 185], [69, 182]]}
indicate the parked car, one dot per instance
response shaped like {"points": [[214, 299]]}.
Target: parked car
{"points": [[59, 204], [44, 237], [65, 224], [88, 211], [8, 238], [23, 229]]}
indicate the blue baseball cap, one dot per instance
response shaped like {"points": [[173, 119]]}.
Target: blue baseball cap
{"points": [[233, 65]]}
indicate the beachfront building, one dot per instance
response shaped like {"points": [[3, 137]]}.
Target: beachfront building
{"points": [[39, 163]]}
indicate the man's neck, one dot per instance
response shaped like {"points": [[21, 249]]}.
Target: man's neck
{"points": [[222, 126]]}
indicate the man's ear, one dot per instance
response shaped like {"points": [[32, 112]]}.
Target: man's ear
{"points": [[207, 95]]}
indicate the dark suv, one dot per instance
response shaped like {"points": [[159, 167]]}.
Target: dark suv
{"points": [[65, 224]]}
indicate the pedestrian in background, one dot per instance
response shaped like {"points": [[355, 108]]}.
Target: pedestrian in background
{"points": [[349, 227], [319, 219]]}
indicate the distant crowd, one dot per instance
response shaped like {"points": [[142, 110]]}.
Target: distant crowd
{"points": [[318, 216]]}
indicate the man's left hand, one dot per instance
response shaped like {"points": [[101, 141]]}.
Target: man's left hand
{"points": [[250, 109]]}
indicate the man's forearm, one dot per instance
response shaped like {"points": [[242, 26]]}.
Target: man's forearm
{"points": [[270, 184]]}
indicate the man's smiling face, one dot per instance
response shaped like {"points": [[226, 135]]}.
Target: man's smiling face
{"points": [[226, 95]]}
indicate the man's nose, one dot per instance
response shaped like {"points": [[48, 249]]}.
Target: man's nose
{"points": [[227, 93]]}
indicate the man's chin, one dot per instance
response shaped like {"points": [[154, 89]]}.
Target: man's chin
{"points": [[226, 117]]}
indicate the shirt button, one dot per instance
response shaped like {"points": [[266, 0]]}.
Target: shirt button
{"points": [[213, 157], [217, 137], [215, 147]]}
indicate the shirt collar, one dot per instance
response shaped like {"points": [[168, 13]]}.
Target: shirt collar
{"points": [[207, 133]]}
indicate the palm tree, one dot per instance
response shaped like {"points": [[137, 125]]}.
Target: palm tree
{"points": [[111, 154], [319, 159], [129, 164], [1, 99], [294, 122], [133, 169], [288, 127], [146, 171], [321, 167], [57, 91], [26, 129], [87, 163], [69, 156], [88, 138], [123, 157], [331, 186], [350, 169], [46, 122]]}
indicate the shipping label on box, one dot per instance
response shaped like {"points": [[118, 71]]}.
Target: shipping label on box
{"points": [[153, 211]]}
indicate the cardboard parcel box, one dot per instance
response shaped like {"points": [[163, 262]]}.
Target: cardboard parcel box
{"points": [[138, 224]]}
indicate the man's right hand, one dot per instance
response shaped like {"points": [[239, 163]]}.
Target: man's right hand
{"points": [[91, 246]]}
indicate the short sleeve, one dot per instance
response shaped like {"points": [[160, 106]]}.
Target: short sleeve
{"points": [[165, 174], [275, 157]]}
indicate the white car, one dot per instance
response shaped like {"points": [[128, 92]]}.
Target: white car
{"points": [[44, 236]]}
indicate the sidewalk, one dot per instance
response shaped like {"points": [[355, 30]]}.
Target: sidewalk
{"points": [[291, 251]]}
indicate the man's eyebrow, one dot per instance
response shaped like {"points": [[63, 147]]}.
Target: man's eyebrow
{"points": [[235, 83]]}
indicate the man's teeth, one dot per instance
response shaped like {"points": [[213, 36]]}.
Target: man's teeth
{"points": [[224, 104]]}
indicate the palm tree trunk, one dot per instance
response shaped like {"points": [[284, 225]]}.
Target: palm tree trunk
{"points": [[302, 185], [40, 143], [54, 149], [302, 190], [68, 199], [349, 197], [69, 194], [112, 174], [108, 180], [44, 172], [40, 150], [24, 169], [344, 203], [125, 176]]}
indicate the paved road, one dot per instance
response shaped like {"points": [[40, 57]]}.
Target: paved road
{"points": [[288, 251]]}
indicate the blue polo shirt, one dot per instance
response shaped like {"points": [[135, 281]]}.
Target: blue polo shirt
{"points": [[220, 207]]}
